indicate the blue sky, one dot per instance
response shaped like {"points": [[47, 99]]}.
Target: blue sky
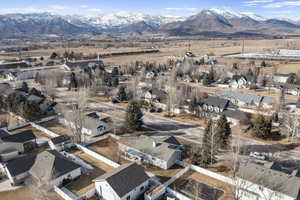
{"points": [[266, 8]]}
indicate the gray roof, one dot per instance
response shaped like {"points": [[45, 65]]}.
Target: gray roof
{"points": [[21, 137], [125, 178], [217, 101], [271, 179], [92, 123], [3, 133], [60, 139], [172, 140], [20, 165], [247, 98], [51, 164], [235, 114], [85, 64], [35, 98], [144, 144]]}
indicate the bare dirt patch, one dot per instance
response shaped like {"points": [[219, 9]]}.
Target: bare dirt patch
{"points": [[193, 177]]}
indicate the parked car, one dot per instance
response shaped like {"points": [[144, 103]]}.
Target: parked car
{"points": [[258, 155]]}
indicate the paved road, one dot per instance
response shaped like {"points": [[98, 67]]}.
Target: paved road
{"points": [[164, 127]]}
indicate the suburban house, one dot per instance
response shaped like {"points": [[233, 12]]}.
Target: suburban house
{"points": [[240, 81], [281, 78], [127, 182], [216, 104], [259, 182], [46, 106], [21, 142], [52, 167], [156, 97], [59, 143], [13, 65], [81, 65], [17, 169], [145, 149], [248, 100], [93, 125]]}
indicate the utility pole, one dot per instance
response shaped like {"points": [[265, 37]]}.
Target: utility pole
{"points": [[243, 48]]}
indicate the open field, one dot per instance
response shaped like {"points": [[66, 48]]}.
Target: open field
{"points": [[194, 178], [168, 48], [85, 182]]}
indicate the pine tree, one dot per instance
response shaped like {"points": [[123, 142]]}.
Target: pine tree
{"points": [[122, 96], [208, 145], [30, 110], [262, 128], [223, 132], [134, 117], [24, 87]]}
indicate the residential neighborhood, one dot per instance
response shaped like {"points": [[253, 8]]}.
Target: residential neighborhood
{"points": [[130, 106]]}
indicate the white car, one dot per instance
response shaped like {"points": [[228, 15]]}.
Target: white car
{"points": [[258, 155]]}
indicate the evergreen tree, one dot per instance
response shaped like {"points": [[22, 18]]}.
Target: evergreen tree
{"points": [[193, 104], [223, 132], [208, 145], [30, 110], [122, 96], [262, 128], [53, 55], [115, 81], [134, 117], [25, 87], [263, 64], [115, 71]]}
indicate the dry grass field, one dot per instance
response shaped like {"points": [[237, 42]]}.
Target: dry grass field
{"points": [[169, 48]]}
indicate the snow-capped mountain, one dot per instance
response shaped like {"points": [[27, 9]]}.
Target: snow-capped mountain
{"points": [[215, 20], [222, 22]]}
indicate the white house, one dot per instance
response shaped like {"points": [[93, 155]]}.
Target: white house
{"points": [[127, 182], [148, 150], [239, 81], [17, 169], [281, 78], [256, 182]]}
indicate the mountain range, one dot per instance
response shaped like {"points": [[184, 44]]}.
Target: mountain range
{"points": [[207, 21]]}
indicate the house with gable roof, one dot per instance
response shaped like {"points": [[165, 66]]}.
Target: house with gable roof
{"points": [[127, 182]]}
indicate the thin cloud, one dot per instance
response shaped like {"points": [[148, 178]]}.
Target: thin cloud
{"points": [[256, 2], [20, 10], [282, 4], [59, 7], [181, 9], [95, 9]]}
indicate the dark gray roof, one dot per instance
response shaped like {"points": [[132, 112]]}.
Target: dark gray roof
{"points": [[60, 139], [85, 64], [35, 98], [271, 179], [236, 114], [217, 101], [3, 133], [125, 178], [20, 165], [51, 164], [172, 140], [21, 137]]}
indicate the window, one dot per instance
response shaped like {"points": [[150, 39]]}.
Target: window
{"points": [[128, 198], [142, 188]]}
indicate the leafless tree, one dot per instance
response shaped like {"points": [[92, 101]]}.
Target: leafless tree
{"points": [[74, 114], [40, 189], [172, 91]]}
